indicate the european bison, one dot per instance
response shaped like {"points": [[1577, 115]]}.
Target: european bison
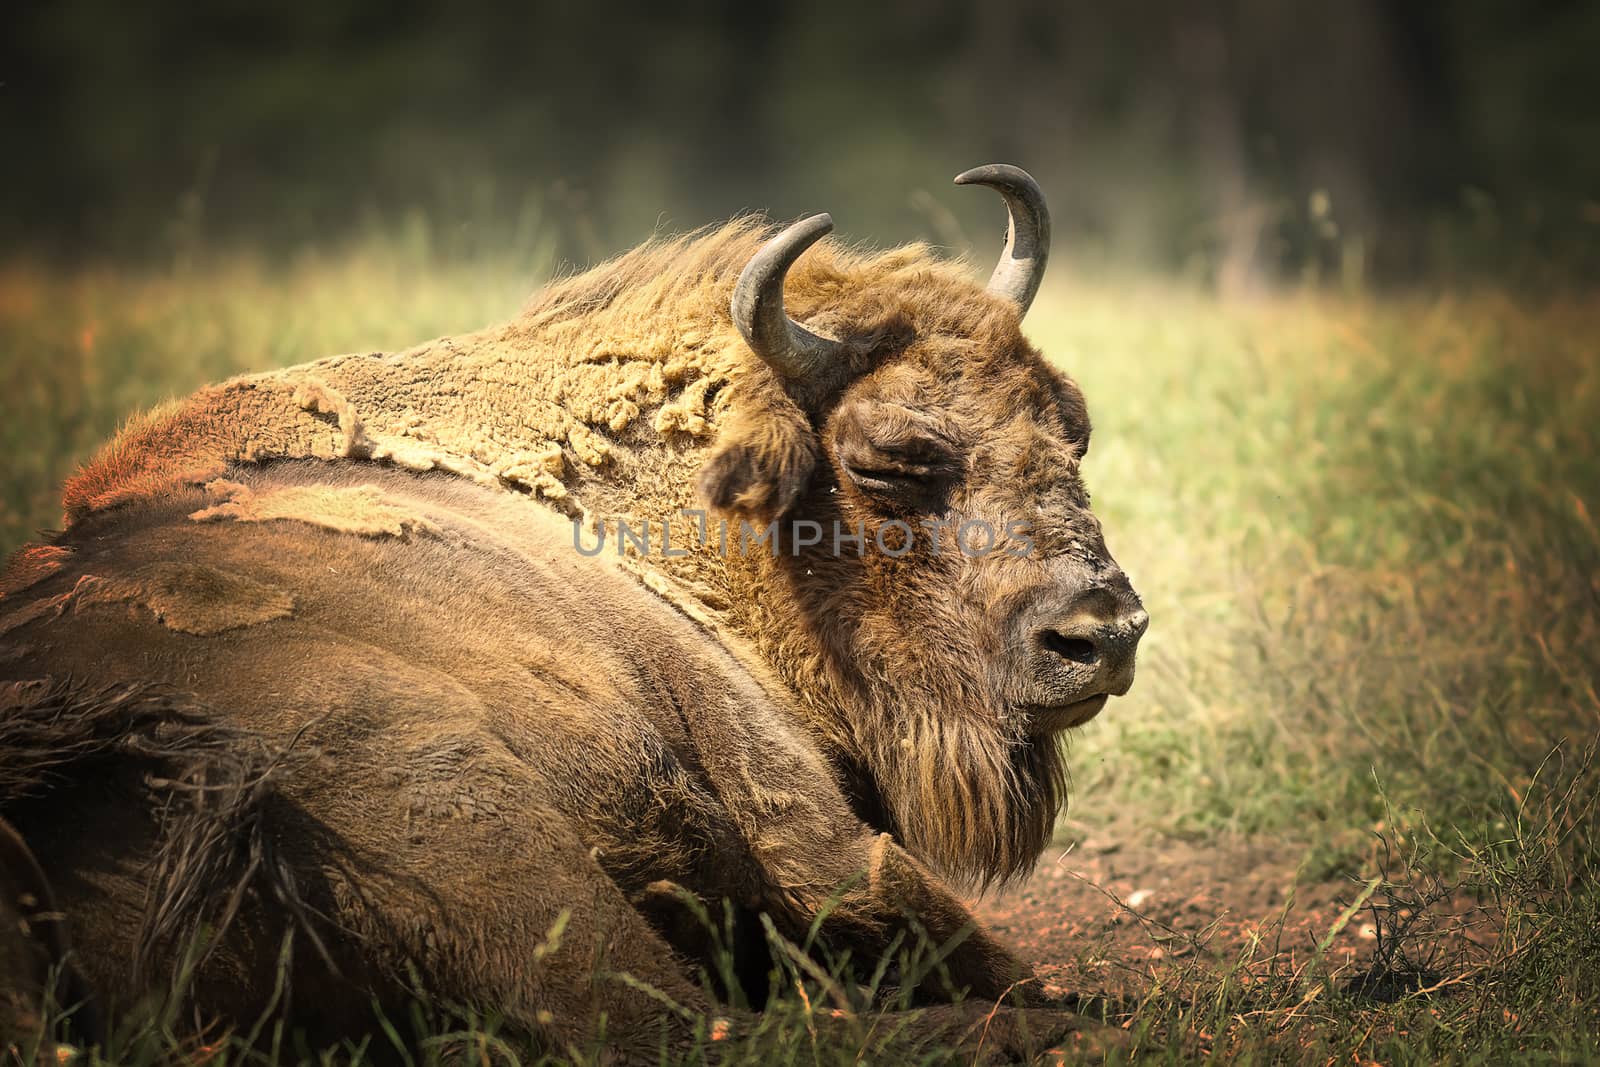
{"points": [[425, 666]]}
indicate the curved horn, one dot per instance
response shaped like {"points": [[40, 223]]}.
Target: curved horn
{"points": [[787, 347], [1021, 266]]}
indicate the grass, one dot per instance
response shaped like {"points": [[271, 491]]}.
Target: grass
{"points": [[1365, 530]]}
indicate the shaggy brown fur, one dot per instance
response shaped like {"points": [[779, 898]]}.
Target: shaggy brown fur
{"points": [[490, 782], [615, 393], [621, 395], [205, 786]]}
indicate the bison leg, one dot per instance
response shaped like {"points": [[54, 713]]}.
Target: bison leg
{"points": [[900, 885], [890, 889], [867, 887]]}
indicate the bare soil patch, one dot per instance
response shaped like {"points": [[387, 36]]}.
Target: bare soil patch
{"points": [[1115, 915]]}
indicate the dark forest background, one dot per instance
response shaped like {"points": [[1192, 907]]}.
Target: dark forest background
{"points": [[1239, 141]]}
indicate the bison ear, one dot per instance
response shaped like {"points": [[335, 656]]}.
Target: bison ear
{"points": [[761, 464]]}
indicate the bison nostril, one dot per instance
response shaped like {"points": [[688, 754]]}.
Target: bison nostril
{"points": [[1076, 649]]}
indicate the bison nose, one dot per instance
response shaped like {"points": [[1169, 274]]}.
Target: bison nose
{"points": [[1097, 635], [1089, 639]]}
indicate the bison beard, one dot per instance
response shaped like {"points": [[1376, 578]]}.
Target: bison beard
{"points": [[974, 803], [349, 565]]}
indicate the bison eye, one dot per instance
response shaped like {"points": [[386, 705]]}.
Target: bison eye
{"points": [[912, 473], [900, 458]]}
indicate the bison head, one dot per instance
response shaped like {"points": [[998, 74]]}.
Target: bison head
{"points": [[954, 605]]}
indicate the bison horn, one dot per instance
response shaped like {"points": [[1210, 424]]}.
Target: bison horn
{"points": [[1021, 267], [787, 347]]}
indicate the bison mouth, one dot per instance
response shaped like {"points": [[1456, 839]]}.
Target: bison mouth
{"points": [[1053, 718]]}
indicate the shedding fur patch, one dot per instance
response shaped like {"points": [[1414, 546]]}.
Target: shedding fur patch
{"points": [[286, 415], [191, 598], [317, 398], [571, 401], [47, 607], [30, 565], [363, 510]]}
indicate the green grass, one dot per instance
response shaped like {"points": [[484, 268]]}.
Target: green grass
{"points": [[1365, 530]]}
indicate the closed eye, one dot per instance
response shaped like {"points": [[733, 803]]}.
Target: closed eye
{"points": [[897, 475], [885, 475], [878, 474], [896, 455]]}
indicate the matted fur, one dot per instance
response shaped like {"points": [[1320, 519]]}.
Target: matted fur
{"points": [[620, 359]]}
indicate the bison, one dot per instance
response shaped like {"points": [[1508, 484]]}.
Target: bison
{"points": [[743, 573]]}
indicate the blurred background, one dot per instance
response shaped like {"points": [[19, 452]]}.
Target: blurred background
{"points": [[1238, 142]]}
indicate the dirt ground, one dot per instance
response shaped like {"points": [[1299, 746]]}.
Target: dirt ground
{"points": [[1112, 915]]}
